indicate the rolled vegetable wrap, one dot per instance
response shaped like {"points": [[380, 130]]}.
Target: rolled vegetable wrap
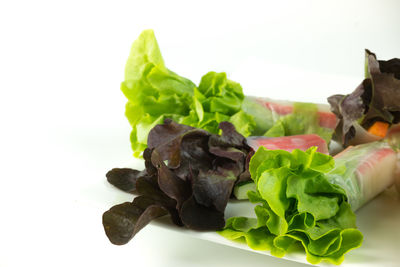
{"points": [[308, 198], [155, 93]]}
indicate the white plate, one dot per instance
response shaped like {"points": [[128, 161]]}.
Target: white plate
{"points": [[378, 220]]}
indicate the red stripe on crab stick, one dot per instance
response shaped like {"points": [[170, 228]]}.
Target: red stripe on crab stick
{"points": [[326, 118], [289, 143], [374, 159]]}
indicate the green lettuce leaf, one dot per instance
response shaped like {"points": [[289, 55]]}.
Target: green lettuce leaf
{"points": [[297, 206], [155, 93], [303, 120], [152, 90], [219, 99]]}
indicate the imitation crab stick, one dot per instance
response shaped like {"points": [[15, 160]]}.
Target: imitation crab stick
{"points": [[289, 143]]}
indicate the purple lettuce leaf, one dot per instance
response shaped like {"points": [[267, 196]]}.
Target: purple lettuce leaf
{"points": [[190, 174], [124, 178], [377, 98]]}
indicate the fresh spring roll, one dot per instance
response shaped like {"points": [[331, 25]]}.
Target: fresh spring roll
{"points": [[308, 198], [155, 93]]}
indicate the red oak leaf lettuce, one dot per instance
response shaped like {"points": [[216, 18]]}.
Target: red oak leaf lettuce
{"points": [[190, 174], [377, 98]]}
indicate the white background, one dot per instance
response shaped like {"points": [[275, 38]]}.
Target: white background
{"points": [[62, 112]]}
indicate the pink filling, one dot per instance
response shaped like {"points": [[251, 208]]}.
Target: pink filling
{"points": [[278, 108], [372, 160], [289, 143], [326, 119]]}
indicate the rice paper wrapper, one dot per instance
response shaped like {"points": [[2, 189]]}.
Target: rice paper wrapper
{"points": [[364, 171], [279, 108]]}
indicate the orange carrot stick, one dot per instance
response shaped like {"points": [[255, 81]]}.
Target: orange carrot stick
{"points": [[379, 128]]}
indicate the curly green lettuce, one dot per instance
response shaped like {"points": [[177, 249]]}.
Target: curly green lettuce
{"points": [[155, 93], [298, 205]]}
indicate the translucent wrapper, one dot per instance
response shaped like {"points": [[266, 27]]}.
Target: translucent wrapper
{"points": [[275, 118], [364, 171], [393, 138], [397, 178], [280, 108]]}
